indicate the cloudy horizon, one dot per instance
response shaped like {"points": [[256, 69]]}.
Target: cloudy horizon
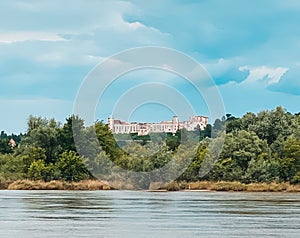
{"points": [[251, 50]]}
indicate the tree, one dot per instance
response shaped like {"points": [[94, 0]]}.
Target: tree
{"points": [[269, 125], [173, 141], [37, 170], [290, 162], [11, 167], [72, 167], [262, 169], [29, 154], [206, 133], [106, 140], [192, 172], [243, 146], [233, 124], [73, 126], [247, 121], [5, 148], [43, 133], [238, 150], [100, 166], [218, 125]]}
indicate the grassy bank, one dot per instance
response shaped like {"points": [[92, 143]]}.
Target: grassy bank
{"points": [[58, 185], [232, 186], [173, 186]]}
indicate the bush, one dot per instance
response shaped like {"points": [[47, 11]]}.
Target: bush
{"points": [[72, 167], [37, 170]]}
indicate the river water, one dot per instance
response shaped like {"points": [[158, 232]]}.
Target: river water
{"points": [[41, 214]]}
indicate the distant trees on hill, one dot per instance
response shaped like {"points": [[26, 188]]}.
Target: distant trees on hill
{"points": [[261, 147]]}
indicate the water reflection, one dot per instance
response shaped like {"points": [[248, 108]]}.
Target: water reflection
{"points": [[68, 201], [69, 205]]}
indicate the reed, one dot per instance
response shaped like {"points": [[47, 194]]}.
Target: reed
{"points": [[232, 186], [122, 185], [157, 186], [58, 185], [228, 186], [172, 186]]}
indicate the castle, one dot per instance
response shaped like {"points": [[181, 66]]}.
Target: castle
{"points": [[122, 127]]}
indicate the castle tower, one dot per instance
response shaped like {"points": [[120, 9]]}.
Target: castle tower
{"points": [[111, 123], [175, 120], [175, 124]]}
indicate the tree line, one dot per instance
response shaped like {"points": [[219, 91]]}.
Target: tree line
{"points": [[263, 147]]}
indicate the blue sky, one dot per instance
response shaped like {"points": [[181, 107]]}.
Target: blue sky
{"points": [[250, 48]]}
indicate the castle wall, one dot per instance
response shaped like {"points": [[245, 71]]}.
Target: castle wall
{"points": [[121, 127]]}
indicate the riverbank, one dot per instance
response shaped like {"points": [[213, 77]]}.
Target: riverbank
{"points": [[173, 186], [232, 186], [58, 185]]}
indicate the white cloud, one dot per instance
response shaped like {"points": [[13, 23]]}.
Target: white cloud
{"points": [[240, 98], [262, 73], [135, 25], [219, 67], [20, 36]]}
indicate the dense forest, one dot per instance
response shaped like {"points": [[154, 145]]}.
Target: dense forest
{"points": [[263, 147]]}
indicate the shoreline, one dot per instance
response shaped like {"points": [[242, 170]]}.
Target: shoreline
{"points": [[86, 185], [200, 186]]}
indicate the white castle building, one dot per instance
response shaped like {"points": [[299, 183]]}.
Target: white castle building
{"points": [[122, 127]]}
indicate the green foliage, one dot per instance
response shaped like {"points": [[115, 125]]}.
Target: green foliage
{"points": [[173, 141], [262, 170], [263, 147], [100, 166], [37, 170], [290, 162], [206, 133], [259, 148], [43, 133], [72, 167], [5, 148], [73, 125], [106, 140], [11, 167], [270, 125]]}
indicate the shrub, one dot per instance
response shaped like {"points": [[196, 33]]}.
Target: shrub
{"points": [[72, 167]]}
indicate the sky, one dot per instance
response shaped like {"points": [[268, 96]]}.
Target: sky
{"points": [[47, 49]]}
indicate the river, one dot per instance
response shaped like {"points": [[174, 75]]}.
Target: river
{"points": [[47, 214]]}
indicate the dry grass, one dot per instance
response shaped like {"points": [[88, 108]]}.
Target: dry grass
{"points": [[173, 186], [200, 185], [293, 188], [228, 186], [268, 187], [157, 186], [206, 185], [58, 185], [232, 186], [122, 185]]}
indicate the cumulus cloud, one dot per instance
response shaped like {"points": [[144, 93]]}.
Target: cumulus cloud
{"points": [[225, 71], [46, 49], [264, 73], [77, 34]]}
